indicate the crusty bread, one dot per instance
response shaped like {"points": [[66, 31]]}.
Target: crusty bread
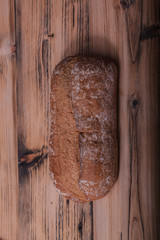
{"points": [[83, 129]]}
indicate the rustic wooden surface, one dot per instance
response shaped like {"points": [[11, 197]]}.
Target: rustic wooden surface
{"points": [[45, 32], [8, 125]]}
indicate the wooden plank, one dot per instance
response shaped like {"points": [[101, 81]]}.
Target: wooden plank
{"points": [[148, 138], [129, 210], [70, 220], [33, 94], [8, 125], [111, 40]]}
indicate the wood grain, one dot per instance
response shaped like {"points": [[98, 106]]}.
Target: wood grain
{"points": [[70, 220], [128, 210], [8, 125], [33, 114], [135, 223], [133, 15], [34, 36], [36, 59]]}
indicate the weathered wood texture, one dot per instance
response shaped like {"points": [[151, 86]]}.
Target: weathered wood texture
{"points": [[8, 125], [131, 210], [45, 32], [32, 101]]}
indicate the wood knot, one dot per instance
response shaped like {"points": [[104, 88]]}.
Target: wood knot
{"points": [[126, 3], [134, 102], [51, 35], [47, 36], [32, 158]]}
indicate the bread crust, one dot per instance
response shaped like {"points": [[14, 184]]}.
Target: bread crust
{"points": [[83, 129]]}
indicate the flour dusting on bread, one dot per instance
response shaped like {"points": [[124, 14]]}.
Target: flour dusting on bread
{"points": [[83, 132]]}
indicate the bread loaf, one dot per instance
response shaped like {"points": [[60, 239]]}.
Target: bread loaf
{"points": [[83, 127]]}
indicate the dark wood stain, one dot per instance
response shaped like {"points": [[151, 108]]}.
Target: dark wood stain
{"points": [[67, 218], [39, 79], [73, 12], [56, 225], [45, 57], [80, 228], [59, 219], [33, 158], [125, 4], [150, 32], [121, 237], [91, 214]]}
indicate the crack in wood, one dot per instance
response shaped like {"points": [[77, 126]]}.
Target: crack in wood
{"points": [[45, 49], [121, 236], [91, 214], [73, 13]]}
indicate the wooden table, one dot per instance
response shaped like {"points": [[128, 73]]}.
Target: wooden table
{"points": [[34, 36]]}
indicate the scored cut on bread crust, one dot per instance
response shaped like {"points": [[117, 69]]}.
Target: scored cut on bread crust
{"points": [[83, 127]]}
